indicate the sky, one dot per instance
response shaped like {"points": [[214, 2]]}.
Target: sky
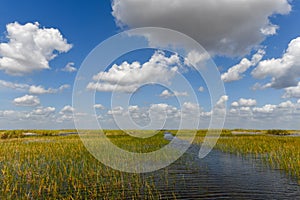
{"points": [[54, 74]]}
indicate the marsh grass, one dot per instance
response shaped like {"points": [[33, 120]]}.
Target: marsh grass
{"points": [[135, 144], [281, 152], [8, 134], [60, 167]]}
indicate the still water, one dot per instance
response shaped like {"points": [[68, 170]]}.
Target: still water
{"points": [[222, 176]]}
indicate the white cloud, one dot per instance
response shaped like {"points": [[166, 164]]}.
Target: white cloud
{"points": [[107, 87], [285, 115], [17, 86], [133, 108], [244, 108], [222, 101], [27, 100], [116, 111], [30, 48], [99, 106], [41, 90], [270, 29], [168, 94], [244, 103], [65, 114], [162, 111], [8, 114], [63, 87], [195, 58], [69, 67], [226, 27], [284, 71], [190, 110], [43, 111], [129, 77], [67, 110], [292, 92], [33, 89], [286, 104], [201, 89], [220, 107], [235, 73], [268, 108], [235, 104], [45, 114]]}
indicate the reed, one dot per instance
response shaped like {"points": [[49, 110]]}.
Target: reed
{"points": [[279, 152]]}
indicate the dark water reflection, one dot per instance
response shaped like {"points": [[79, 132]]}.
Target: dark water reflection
{"points": [[221, 176]]}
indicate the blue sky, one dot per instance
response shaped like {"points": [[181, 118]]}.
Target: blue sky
{"points": [[254, 45]]}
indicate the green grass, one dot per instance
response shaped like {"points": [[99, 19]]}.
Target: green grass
{"points": [[60, 167], [278, 132], [281, 152], [8, 134]]}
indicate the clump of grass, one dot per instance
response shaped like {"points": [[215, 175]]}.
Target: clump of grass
{"points": [[64, 169], [277, 152], [277, 132], [11, 134]]}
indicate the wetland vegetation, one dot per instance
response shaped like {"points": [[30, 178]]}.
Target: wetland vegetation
{"points": [[55, 165]]}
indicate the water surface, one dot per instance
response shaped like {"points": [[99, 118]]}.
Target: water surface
{"points": [[222, 176]]}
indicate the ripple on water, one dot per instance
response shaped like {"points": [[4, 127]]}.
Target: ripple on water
{"points": [[222, 176]]}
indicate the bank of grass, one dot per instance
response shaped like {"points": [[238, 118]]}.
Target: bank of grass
{"points": [[9, 134], [277, 152], [49, 166], [60, 167]]}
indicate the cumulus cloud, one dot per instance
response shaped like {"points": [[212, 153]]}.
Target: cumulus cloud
{"points": [[39, 114], [30, 48], [27, 100], [99, 106], [235, 73], [43, 111], [268, 108], [271, 29], [292, 92], [168, 94], [16, 86], [33, 89], [194, 58], [244, 103], [284, 71], [285, 115], [69, 68], [66, 110], [219, 109], [128, 77], [222, 101], [9, 114], [41, 90], [66, 114], [116, 111], [287, 104], [225, 27]]}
